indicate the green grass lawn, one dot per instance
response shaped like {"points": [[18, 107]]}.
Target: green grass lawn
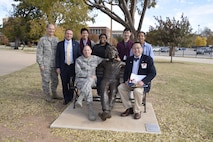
{"points": [[181, 95]]}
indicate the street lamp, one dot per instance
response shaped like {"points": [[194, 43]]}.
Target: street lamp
{"points": [[111, 26], [115, 1], [198, 27]]}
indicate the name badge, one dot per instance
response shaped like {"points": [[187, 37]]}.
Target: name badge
{"points": [[124, 58], [144, 65]]}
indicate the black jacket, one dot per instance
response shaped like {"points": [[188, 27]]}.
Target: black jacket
{"points": [[149, 70], [99, 50]]}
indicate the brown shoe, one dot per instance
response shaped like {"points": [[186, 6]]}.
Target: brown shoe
{"points": [[137, 115], [127, 112]]}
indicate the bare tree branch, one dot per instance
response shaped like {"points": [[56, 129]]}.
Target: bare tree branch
{"points": [[133, 9], [127, 7], [142, 15], [107, 11], [127, 14]]}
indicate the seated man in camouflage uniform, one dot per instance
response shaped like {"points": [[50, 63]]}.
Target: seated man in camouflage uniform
{"points": [[110, 82]]}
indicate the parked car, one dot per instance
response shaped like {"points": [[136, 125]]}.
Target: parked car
{"points": [[164, 49], [200, 51], [182, 48], [156, 49], [207, 50]]}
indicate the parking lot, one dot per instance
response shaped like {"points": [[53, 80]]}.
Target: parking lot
{"points": [[188, 52]]}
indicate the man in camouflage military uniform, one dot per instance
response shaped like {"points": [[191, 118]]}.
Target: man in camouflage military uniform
{"points": [[45, 57]]}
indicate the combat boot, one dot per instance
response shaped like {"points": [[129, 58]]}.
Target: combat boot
{"points": [[91, 115], [55, 96], [49, 99]]}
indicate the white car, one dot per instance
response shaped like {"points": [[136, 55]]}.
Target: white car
{"points": [[156, 49]]}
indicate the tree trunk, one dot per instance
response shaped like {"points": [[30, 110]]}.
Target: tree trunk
{"points": [[16, 43], [171, 53]]}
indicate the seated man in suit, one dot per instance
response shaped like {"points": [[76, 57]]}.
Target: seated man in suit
{"points": [[138, 64]]}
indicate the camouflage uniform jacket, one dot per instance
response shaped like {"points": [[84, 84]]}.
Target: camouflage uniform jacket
{"points": [[46, 51], [85, 68]]}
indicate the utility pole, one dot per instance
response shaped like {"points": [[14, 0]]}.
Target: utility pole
{"points": [[198, 28], [111, 27]]}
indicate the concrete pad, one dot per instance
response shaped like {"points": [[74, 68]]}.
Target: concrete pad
{"points": [[77, 119]]}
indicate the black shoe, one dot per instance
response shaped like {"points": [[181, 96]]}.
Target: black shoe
{"points": [[66, 102], [127, 112]]}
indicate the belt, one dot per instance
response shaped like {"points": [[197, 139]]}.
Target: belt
{"points": [[69, 65]]}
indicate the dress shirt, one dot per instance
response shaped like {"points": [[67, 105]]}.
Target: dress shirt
{"points": [[136, 65], [71, 54], [85, 42], [147, 50]]}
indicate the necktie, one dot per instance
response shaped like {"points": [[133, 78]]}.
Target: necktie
{"points": [[136, 59], [68, 53]]}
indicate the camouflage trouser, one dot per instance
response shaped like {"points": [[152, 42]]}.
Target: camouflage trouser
{"points": [[49, 75], [85, 85]]}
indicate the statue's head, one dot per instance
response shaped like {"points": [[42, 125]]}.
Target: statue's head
{"points": [[111, 52]]}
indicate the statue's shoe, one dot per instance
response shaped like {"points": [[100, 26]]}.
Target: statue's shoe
{"points": [[104, 115]]}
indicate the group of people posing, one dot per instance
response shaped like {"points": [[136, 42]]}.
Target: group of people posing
{"points": [[77, 62]]}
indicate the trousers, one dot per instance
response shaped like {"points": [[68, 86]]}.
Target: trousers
{"points": [[85, 85], [125, 90], [49, 79]]}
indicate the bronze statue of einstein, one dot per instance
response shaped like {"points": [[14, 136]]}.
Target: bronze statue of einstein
{"points": [[110, 81]]}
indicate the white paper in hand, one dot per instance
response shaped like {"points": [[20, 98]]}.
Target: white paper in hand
{"points": [[136, 78]]}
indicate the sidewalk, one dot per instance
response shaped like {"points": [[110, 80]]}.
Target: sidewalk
{"points": [[184, 59], [12, 60]]}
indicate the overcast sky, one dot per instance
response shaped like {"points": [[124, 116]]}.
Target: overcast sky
{"points": [[199, 13]]}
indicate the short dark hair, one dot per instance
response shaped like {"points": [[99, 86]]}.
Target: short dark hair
{"points": [[141, 32], [84, 29], [127, 29], [136, 42], [102, 34]]}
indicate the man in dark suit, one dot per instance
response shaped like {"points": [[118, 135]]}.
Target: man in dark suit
{"points": [[137, 64], [67, 52]]}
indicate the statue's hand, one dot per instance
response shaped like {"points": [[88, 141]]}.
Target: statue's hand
{"points": [[93, 77], [58, 71], [42, 68], [127, 82], [117, 58]]}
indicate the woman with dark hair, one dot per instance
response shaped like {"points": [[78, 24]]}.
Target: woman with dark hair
{"points": [[100, 51]]}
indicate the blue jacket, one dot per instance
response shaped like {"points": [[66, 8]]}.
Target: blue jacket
{"points": [[60, 53]]}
